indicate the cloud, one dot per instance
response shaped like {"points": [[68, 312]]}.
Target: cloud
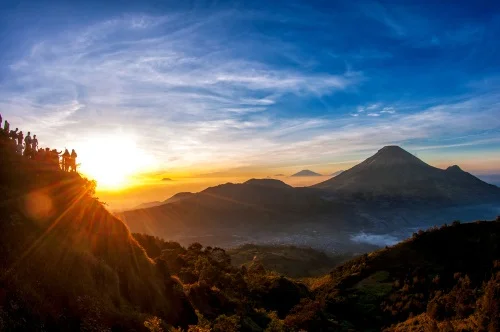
{"points": [[388, 110], [149, 75], [195, 97]]}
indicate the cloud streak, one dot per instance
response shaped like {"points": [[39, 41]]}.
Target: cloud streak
{"points": [[196, 96]]}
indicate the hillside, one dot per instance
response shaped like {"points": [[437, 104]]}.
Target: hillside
{"points": [[446, 278], [437, 279], [67, 264], [229, 212], [393, 172], [291, 261]]}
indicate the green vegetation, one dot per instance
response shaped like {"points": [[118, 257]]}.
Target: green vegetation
{"points": [[291, 261]]}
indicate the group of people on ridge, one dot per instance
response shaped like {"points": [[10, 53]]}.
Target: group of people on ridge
{"points": [[28, 147]]}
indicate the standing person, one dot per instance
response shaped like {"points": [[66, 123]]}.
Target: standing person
{"points": [[34, 144], [13, 134], [27, 145], [66, 160], [27, 139], [6, 127], [73, 160], [20, 137]]}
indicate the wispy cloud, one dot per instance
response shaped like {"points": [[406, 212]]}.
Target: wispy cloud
{"points": [[196, 96]]}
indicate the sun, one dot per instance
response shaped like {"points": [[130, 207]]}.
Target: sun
{"points": [[112, 160]]}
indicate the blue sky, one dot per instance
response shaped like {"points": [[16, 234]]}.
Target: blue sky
{"points": [[258, 85]]}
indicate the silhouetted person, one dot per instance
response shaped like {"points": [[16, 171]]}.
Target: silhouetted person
{"points": [[27, 145], [6, 127], [20, 137], [13, 134], [66, 160], [73, 160], [27, 139], [34, 143]]}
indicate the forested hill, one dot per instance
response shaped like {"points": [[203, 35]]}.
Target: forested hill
{"points": [[67, 264], [444, 279]]}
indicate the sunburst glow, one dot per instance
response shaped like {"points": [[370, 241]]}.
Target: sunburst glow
{"points": [[112, 160]]}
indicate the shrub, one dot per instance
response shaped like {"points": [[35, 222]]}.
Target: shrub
{"points": [[225, 323]]}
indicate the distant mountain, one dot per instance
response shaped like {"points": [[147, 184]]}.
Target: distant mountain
{"points": [[390, 191], [237, 212], [177, 197], [306, 172], [268, 183], [394, 172], [337, 173], [148, 205]]}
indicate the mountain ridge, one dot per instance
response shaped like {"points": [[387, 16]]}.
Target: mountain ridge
{"points": [[392, 171]]}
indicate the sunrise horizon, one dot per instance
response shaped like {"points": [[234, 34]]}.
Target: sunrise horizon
{"points": [[147, 92]]}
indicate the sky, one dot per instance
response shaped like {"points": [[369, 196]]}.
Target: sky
{"points": [[210, 89]]}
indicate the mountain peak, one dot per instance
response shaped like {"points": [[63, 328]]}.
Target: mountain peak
{"points": [[454, 168], [393, 155], [306, 172], [392, 148]]}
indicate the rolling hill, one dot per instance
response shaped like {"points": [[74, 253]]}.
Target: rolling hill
{"points": [[229, 213]]}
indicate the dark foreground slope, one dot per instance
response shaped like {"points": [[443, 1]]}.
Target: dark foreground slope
{"points": [[67, 264], [445, 279], [448, 277]]}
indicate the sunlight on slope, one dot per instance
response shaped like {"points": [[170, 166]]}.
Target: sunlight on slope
{"points": [[112, 161]]}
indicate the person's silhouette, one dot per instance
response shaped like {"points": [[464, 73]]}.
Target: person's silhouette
{"points": [[66, 160], [73, 160], [20, 137], [34, 143], [13, 134]]}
